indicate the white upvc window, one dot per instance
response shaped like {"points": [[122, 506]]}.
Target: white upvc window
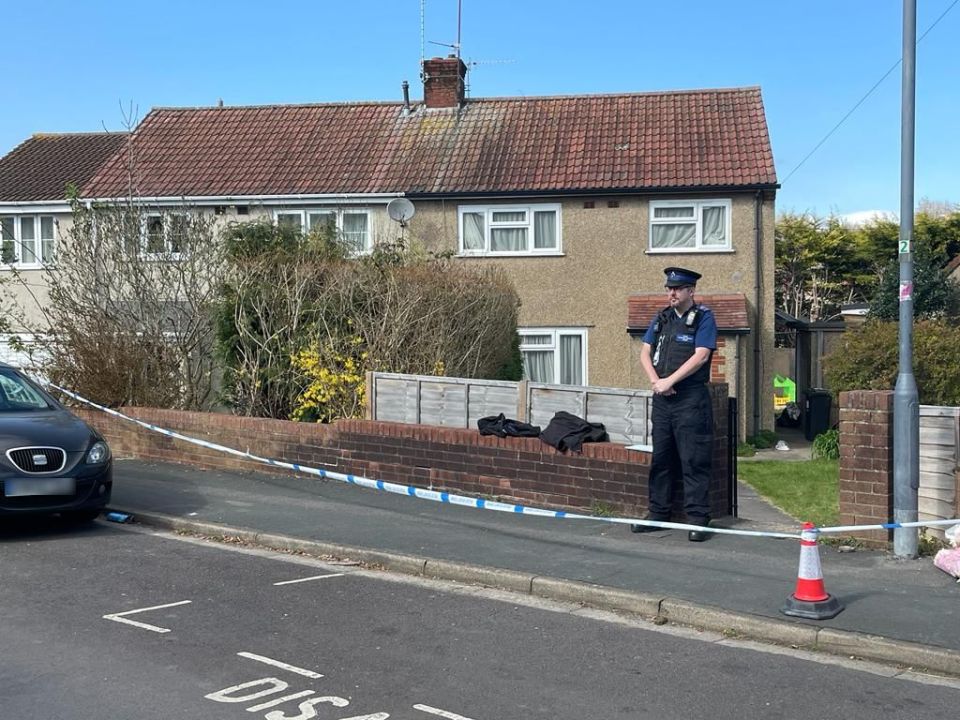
{"points": [[353, 226], [27, 241], [164, 235], [554, 355], [690, 225], [510, 229]]}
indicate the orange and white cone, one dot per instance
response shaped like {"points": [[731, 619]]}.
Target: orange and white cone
{"points": [[810, 600]]}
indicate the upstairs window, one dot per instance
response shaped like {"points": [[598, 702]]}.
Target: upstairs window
{"points": [[509, 230], [27, 241], [353, 226], [164, 235], [680, 225]]}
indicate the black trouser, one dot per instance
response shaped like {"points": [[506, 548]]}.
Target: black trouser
{"points": [[682, 448]]}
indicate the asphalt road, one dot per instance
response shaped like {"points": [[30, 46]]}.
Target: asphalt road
{"points": [[113, 622]]}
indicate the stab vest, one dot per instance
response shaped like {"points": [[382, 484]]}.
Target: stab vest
{"points": [[669, 353]]}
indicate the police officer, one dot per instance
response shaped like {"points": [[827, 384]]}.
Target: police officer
{"points": [[676, 353]]}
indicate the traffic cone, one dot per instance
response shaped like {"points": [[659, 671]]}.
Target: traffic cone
{"points": [[810, 600]]}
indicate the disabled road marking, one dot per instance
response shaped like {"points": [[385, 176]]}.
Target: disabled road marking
{"points": [[308, 579], [281, 665], [121, 616]]}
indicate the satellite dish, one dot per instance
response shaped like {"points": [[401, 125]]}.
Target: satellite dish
{"points": [[401, 210]]}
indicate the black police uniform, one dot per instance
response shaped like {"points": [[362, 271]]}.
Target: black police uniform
{"points": [[682, 422]]}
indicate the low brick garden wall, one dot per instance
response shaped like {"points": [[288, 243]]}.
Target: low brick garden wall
{"points": [[604, 477]]}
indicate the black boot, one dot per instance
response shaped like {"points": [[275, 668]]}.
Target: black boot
{"points": [[649, 528], [698, 535]]}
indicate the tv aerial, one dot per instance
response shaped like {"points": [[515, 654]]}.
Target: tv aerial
{"points": [[401, 210]]}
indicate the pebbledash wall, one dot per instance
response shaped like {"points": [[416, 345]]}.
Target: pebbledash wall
{"points": [[523, 470]]}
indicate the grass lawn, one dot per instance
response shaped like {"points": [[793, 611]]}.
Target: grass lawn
{"points": [[806, 490]]}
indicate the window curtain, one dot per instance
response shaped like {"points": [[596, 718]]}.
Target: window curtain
{"points": [[473, 231], [571, 360], [714, 226], [545, 229], [508, 239], [675, 235], [355, 230], [538, 364], [46, 239], [28, 241]]}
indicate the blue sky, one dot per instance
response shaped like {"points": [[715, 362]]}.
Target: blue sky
{"points": [[70, 66]]}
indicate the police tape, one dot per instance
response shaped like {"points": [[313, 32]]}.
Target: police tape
{"points": [[461, 500]]}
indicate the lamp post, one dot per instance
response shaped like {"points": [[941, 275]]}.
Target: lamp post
{"points": [[906, 407]]}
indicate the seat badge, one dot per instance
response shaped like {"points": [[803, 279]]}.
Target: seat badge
{"points": [[39, 459]]}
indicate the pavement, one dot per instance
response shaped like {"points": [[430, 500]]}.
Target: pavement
{"points": [[902, 612]]}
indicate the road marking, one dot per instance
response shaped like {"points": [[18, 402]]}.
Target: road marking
{"points": [[282, 665], [441, 713], [307, 579], [279, 700], [121, 616]]}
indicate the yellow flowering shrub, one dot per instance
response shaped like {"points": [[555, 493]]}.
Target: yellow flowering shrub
{"points": [[336, 382]]}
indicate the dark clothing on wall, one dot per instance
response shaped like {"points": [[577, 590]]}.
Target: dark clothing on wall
{"points": [[568, 432], [502, 426]]}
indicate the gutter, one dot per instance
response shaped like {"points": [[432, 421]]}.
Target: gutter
{"points": [[294, 199], [758, 304], [687, 191]]}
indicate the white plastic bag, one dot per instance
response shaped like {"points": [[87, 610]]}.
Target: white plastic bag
{"points": [[953, 536], [948, 560]]}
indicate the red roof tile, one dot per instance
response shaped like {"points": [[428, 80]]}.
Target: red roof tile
{"points": [[41, 167], [695, 139], [730, 310]]}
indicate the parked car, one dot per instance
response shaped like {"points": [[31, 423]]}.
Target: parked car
{"points": [[51, 461]]}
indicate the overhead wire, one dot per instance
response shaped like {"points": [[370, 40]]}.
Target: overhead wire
{"points": [[868, 94]]}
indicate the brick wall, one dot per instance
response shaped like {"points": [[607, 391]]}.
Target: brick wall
{"points": [[866, 461], [523, 470], [718, 363]]}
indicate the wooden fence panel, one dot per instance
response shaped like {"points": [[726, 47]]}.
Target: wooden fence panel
{"points": [[939, 457]]}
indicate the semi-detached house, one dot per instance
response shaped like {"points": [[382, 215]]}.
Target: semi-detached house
{"points": [[582, 200]]}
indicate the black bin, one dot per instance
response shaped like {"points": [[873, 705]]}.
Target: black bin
{"points": [[816, 412]]}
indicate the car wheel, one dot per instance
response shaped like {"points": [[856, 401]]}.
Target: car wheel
{"points": [[81, 516]]}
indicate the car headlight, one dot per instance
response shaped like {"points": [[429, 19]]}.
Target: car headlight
{"points": [[98, 454]]}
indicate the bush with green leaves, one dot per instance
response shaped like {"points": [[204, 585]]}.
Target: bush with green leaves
{"points": [[868, 359], [826, 445], [394, 310]]}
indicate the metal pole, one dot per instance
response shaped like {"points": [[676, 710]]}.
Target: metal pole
{"points": [[906, 407]]}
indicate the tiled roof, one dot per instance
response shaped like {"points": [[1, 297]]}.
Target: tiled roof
{"points": [[730, 310], [696, 139], [41, 167]]}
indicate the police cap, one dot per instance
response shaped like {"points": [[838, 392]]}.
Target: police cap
{"points": [[678, 277]]}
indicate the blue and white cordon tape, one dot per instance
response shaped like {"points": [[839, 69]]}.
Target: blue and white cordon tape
{"points": [[479, 503]]}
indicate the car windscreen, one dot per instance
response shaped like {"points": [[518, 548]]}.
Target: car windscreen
{"points": [[17, 395]]}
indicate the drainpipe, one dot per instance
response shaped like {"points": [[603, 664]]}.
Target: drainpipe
{"points": [[758, 304]]}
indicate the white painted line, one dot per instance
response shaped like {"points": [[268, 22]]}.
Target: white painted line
{"points": [[282, 665], [121, 616], [307, 579], [279, 700], [441, 713]]}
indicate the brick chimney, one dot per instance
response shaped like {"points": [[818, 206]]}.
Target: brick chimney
{"points": [[443, 82]]}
